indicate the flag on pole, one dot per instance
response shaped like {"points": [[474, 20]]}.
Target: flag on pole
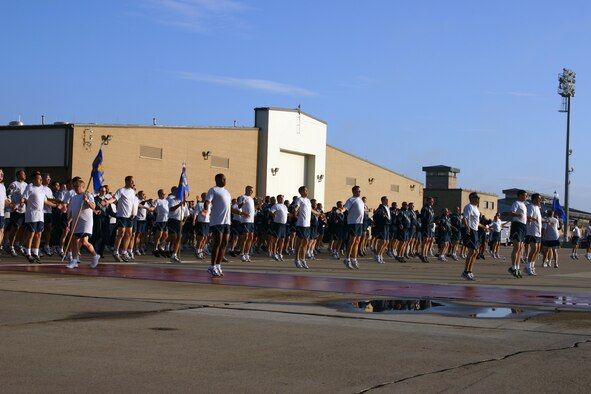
{"points": [[98, 171], [556, 207], [183, 189]]}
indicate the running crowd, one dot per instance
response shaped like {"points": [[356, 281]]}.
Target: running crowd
{"points": [[44, 217]]}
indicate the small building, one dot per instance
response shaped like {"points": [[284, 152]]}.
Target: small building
{"points": [[441, 184]]}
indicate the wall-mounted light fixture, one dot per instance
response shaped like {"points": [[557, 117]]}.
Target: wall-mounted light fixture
{"points": [[412, 187], [206, 155], [320, 177], [274, 171], [106, 139], [87, 138], [370, 180]]}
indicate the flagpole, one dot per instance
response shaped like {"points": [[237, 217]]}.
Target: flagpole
{"points": [[72, 228]]}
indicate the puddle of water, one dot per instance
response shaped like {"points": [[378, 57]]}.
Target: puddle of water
{"points": [[428, 306]]}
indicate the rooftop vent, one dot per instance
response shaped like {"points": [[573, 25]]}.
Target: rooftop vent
{"points": [[16, 123]]}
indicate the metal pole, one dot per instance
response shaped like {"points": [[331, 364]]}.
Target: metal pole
{"points": [[567, 171]]}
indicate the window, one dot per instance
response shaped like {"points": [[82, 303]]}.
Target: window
{"points": [[395, 188], [221, 162], [351, 181], [150, 152]]}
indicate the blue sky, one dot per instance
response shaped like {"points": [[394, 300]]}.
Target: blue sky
{"points": [[471, 84]]}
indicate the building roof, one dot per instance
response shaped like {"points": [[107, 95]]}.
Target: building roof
{"points": [[441, 168]]}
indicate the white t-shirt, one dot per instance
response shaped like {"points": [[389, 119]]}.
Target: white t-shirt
{"points": [[280, 213], [235, 216], [2, 199], [534, 228], [551, 233], [219, 206], [125, 201], [588, 233], [67, 195], [142, 212], [177, 214], [472, 215], [198, 209], [304, 211], [84, 225], [15, 192], [519, 208], [576, 232], [49, 195], [135, 206], [36, 198], [247, 207], [495, 225], [161, 206], [355, 206]]}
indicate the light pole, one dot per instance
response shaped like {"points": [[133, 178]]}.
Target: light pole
{"points": [[566, 89]]}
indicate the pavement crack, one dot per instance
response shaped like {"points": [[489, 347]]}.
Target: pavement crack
{"points": [[381, 385]]}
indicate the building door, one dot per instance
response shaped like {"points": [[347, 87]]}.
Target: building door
{"points": [[291, 174]]}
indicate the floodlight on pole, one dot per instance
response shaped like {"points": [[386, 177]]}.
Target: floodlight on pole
{"points": [[566, 89]]}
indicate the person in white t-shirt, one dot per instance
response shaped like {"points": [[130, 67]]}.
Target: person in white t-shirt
{"points": [[247, 213], [575, 240], [303, 212], [80, 214], [356, 208], [4, 202], [125, 199], [160, 206], [471, 221], [176, 215], [35, 199], [47, 215], [551, 235], [518, 232], [218, 206], [201, 225], [533, 235], [279, 213], [17, 210], [141, 223]]}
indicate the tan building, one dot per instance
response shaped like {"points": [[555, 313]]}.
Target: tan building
{"points": [[345, 170], [441, 184], [284, 150]]}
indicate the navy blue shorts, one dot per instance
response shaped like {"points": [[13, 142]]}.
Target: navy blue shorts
{"points": [[338, 233], [575, 241], [134, 224], [471, 240], [82, 235], [403, 234], [141, 226], [124, 222], [303, 232], [278, 230], [246, 228], [219, 229], [393, 232], [235, 227], [160, 226], [355, 229], [552, 243], [496, 237], [17, 218], [313, 232], [173, 226], [428, 232], [35, 227], [517, 233], [382, 232], [456, 236], [529, 239], [47, 217], [202, 228]]}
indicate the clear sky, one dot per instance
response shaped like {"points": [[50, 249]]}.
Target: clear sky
{"points": [[405, 84]]}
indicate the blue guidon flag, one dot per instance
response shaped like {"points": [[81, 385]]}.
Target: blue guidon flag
{"points": [[556, 207], [183, 190], [97, 171]]}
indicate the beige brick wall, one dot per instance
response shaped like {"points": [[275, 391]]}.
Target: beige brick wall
{"points": [[122, 156], [341, 165]]}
